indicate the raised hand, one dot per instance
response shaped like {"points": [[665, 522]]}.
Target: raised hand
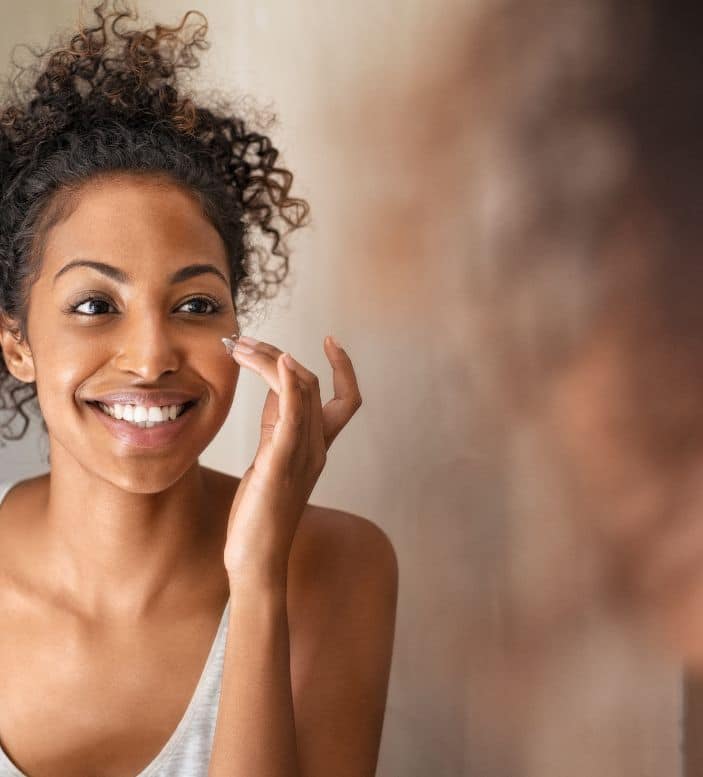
{"points": [[296, 433]]}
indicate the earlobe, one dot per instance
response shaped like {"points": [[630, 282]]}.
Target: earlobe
{"points": [[20, 365], [17, 354]]}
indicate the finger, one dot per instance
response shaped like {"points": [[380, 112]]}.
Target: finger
{"points": [[269, 416], [347, 397], [262, 357], [316, 441], [288, 431], [262, 346], [331, 421], [259, 362], [274, 353], [321, 432], [318, 446], [304, 387]]}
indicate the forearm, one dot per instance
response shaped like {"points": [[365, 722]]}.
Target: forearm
{"points": [[255, 731]]}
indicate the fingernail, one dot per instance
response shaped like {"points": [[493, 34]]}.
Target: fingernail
{"points": [[336, 342], [288, 359], [248, 340], [229, 345]]}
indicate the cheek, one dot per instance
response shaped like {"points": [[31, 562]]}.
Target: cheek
{"points": [[215, 366], [222, 375], [61, 369]]}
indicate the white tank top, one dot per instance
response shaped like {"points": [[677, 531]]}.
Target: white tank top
{"points": [[187, 752]]}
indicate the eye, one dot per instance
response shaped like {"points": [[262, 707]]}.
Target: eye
{"points": [[88, 301], [215, 306]]}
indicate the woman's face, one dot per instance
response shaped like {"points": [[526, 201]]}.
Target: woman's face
{"points": [[140, 332]]}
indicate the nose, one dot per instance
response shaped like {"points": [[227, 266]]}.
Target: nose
{"points": [[149, 348]]}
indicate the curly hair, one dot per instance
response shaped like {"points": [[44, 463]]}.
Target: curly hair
{"points": [[111, 100]]}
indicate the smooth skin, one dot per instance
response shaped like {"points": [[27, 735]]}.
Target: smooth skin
{"points": [[115, 570]]}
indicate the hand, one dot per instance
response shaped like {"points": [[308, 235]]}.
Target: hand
{"points": [[296, 433]]}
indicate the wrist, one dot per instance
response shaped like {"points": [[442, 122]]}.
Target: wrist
{"points": [[259, 578]]}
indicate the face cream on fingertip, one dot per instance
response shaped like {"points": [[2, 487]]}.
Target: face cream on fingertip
{"points": [[229, 345]]}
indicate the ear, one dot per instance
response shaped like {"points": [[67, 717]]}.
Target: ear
{"points": [[17, 354]]}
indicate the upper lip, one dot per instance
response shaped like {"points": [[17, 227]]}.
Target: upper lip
{"points": [[159, 398]]}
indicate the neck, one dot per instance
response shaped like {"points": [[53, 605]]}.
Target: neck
{"points": [[111, 550]]}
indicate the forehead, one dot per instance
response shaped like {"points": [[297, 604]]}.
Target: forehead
{"points": [[137, 221]]}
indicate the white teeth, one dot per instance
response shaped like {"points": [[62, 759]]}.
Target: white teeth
{"points": [[144, 417]]}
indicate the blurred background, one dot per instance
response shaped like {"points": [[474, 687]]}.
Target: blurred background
{"points": [[509, 657]]}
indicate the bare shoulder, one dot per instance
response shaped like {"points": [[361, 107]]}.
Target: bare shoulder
{"points": [[22, 503], [336, 553], [24, 494], [338, 536]]}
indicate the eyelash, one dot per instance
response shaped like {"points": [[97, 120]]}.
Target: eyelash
{"points": [[216, 305]]}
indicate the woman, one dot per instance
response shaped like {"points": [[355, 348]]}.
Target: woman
{"points": [[160, 617], [592, 144]]}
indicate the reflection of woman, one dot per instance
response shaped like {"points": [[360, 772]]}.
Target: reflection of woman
{"points": [[124, 260], [596, 174]]}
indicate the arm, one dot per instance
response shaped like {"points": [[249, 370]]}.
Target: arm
{"points": [[255, 732]]}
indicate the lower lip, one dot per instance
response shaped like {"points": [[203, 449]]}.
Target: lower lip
{"points": [[152, 437]]}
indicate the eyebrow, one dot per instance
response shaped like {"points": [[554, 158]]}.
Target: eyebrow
{"points": [[184, 274]]}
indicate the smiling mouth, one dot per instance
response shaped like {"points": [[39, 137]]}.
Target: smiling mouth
{"points": [[143, 424]]}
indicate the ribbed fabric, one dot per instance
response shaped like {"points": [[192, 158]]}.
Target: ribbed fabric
{"points": [[187, 752]]}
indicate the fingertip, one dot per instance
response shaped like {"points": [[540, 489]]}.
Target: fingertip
{"points": [[229, 345]]}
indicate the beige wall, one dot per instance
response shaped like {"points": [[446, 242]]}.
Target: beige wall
{"points": [[384, 267]]}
